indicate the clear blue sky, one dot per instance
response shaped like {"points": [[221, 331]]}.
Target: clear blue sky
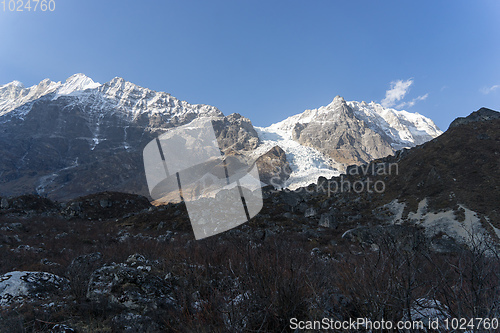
{"points": [[269, 59]]}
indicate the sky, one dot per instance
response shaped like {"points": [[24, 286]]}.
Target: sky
{"points": [[268, 60]]}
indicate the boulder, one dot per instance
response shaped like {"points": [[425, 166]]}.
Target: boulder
{"points": [[21, 286], [128, 287], [274, 169], [4, 203], [310, 212], [328, 221]]}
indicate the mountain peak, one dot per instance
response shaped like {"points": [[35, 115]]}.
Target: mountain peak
{"points": [[337, 100], [119, 83], [117, 79], [77, 75], [483, 114], [14, 83], [77, 82]]}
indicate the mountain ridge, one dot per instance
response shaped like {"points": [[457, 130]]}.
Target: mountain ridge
{"points": [[54, 132]]}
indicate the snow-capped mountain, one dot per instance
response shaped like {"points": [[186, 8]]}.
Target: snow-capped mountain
{"points": [[118, 97], [326, 140], [68, 139], [14, 94]]}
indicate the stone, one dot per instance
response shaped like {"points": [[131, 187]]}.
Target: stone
{"points": [[136, 259], [61, 328], [9, 239], [134, 323], [4, 203], [310, 212], [21, 286], [328, 221], [129, 288], [105, 203]]}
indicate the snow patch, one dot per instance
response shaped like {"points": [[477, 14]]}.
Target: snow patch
{"points": [[470, 231], [397, 209], [20, 285]]}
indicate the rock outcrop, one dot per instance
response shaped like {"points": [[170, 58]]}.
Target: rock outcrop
{"points": [[483, 114], [24, 286], [132, 288], [273, 167]]}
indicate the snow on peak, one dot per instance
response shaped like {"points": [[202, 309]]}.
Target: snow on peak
{"points": [[14, 94], [133, 101], [324, 114], [117, 80], [14, 84], [117, 96], [77, 82], [405, 128]]}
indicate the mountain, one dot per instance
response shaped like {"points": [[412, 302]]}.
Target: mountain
{"points": [[64, 140], [326, 140]]}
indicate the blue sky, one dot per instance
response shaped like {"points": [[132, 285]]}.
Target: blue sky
{"points": [[268, 60]]}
